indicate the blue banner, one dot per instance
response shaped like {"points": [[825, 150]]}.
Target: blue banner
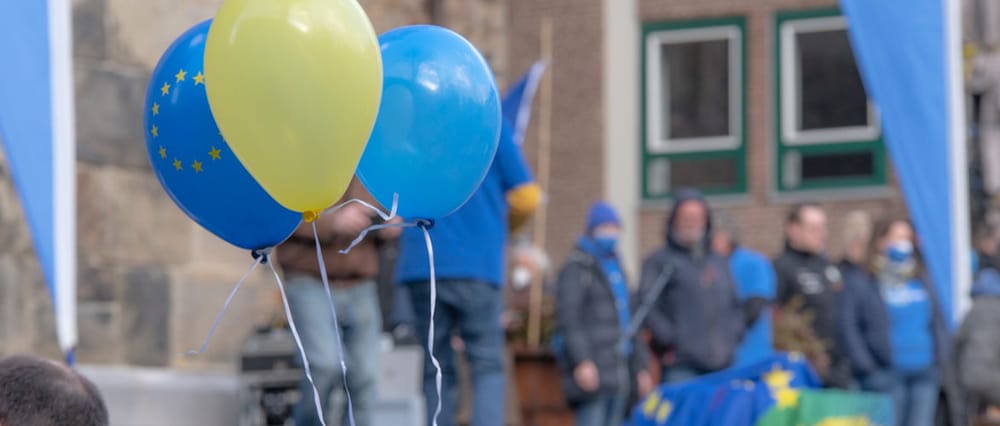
{"points": [[909, 58], [37, 134]]}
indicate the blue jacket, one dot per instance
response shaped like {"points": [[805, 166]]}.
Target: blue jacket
{"points": [[864, 324]]}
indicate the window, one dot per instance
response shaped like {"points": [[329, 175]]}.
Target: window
{"points": [[693, 106], [828, 133]]}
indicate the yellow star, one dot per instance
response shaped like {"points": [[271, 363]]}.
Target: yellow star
{"points": [[787, 398], [664, 412], [778, 378], [156, 108], [196, 165], [178, 165], [155, 131], [165, 90], [199, 78], [180, 75], [649, 407], [215, 153], [163, 152]]}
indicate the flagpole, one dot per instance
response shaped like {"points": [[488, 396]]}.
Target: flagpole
{"points": [[541, 215], [64, 173], [961, 245]]}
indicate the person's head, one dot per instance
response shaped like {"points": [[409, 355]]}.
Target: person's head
{"points": [[806, 228], [986, 239], [725, 233], [40, 392], [894, 243], [688, 224], [603, 225], [857, 233]]}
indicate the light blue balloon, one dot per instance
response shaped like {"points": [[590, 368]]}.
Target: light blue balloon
{"points": [[437, 129]]}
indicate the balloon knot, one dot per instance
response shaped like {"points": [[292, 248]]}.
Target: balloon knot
{"points": [[310, 216], [427, 224], [261, 254]]}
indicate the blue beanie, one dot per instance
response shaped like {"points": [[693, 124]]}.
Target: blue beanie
{"points": [[601, 213]]}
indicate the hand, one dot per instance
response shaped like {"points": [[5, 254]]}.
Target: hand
{"points": [[993, 412], [645, 383], [586, 377], [351, 219]]}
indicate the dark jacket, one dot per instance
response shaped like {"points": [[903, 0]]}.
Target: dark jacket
{"points": [[865, 328], [817, 283], [698, 316], [977, 346], [587, 322]]}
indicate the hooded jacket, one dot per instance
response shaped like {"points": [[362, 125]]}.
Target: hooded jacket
{"points": [[977, 346], [697, 316]]}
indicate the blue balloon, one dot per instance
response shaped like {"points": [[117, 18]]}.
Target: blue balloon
{"points": [[192, 161], [438, 125]]}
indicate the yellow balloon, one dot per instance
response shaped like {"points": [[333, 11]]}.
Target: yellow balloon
{"points": [[295, 86]]}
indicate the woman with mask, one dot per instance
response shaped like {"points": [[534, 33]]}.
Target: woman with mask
{"points": [[597, 361], [891, 325]]}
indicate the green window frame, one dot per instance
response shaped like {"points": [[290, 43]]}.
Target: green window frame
{"points": [[861, 147], [692, 157]]}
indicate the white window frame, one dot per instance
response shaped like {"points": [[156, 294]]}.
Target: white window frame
{"points": [[655, 103], [791, 98]]}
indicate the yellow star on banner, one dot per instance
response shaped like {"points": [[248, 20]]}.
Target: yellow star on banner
{"points": [[199, 78], [649, 407], [778, 378], [156, 108], [215, 153], [180, 75], [155, 131], [163, 152], [165, 90], [196, 165], [178, 165], [787, 398], [664, 412]]}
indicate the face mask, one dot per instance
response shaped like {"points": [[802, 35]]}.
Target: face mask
{"points": [[606, 242], [520, 277], [901, 252]]}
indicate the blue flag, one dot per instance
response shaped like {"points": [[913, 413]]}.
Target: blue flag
{"points": [[733, 397], [37, 134], [517, 101], [910, 61]]}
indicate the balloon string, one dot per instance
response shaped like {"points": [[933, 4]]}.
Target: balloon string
{"points": [[385, 216], [298, 343], [336, 324], [430, 328], [225, 307], [369, 229]]}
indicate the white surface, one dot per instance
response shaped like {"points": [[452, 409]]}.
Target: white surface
{"points": [[155, 397]]}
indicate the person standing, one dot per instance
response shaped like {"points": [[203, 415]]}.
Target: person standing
{"points": [[469, 247], [809, 285], [355, 295], [755, 286], [893, 331], [593, 313], [696, 321]]}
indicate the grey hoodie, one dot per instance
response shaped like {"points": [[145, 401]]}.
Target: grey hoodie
{"points": [[977, 346], [698, 316]]}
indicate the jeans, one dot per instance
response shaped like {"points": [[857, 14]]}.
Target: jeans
{"points": [[360, 327], [473, 309], [914, 395], [600, 411]]}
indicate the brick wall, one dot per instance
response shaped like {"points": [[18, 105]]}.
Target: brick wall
{"points": [[760, 216]]}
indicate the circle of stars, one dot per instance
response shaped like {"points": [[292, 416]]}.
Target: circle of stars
{"points": [[180, 77]]}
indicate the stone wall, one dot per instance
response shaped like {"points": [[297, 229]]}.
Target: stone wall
{"points": [[150, 280]]}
